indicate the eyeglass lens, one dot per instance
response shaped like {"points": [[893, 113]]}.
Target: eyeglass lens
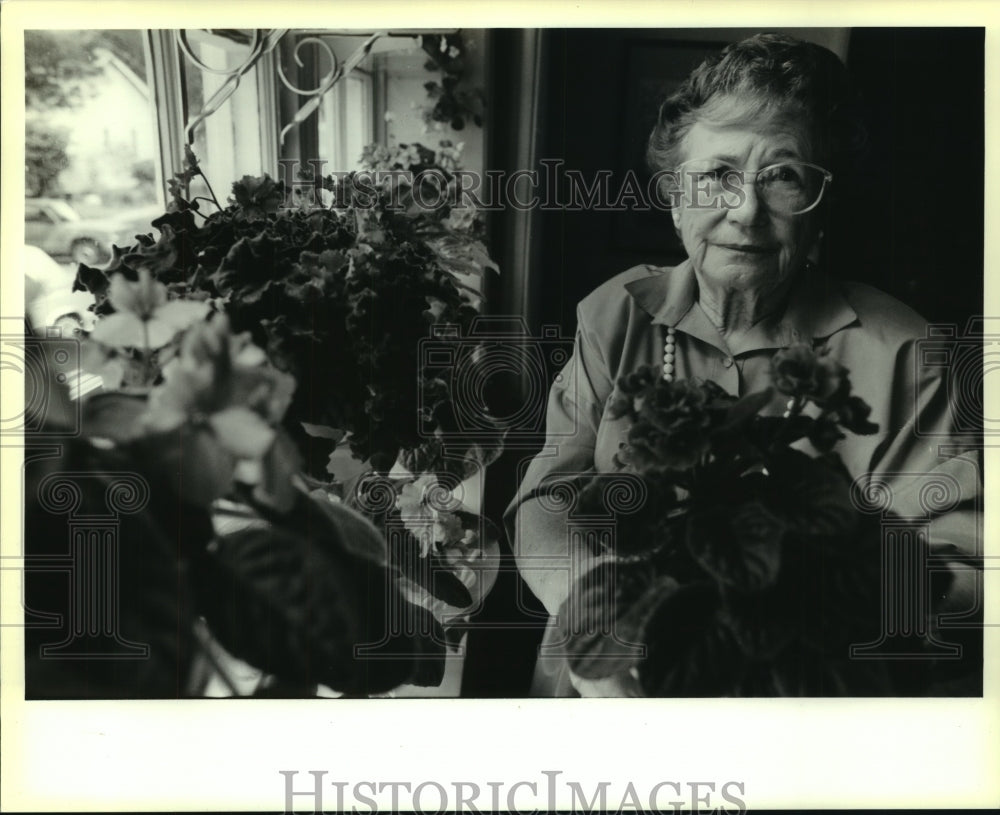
{"points": [[786, 188]]}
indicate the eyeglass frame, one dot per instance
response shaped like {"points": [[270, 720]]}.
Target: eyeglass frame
{"points": [[827, 177]]}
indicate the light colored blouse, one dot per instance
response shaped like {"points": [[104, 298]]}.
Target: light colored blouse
{"points": [[918, 464]]}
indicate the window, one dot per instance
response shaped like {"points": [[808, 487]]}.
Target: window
{"points": [[111, 111], [89, 136], [285, 106], [345, 121], [229, 131]]}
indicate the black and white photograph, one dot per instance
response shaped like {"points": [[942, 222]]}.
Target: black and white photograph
{"points": [[445, 382]]}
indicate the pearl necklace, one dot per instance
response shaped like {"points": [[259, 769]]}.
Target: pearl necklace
{"points": [[669, 344], [669, 353]]}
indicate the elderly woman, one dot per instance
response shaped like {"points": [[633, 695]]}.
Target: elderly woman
{"points": [[748, 146]]}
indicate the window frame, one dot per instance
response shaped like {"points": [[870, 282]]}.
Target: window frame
{"points": [[166, 65]]}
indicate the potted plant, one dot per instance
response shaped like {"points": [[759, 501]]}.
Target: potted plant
{"points": [[293, 590], [337, 297], [736, 562]]}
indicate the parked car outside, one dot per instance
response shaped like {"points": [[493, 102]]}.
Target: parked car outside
{"points": [[54, 226]]}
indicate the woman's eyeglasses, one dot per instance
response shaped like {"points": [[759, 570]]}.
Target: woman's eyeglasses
{"points": [[787, 188]]}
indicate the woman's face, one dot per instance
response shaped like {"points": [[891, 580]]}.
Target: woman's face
{"points": [[745, 247]]}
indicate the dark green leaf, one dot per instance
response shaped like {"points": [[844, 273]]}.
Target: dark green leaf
{"points": [[765, 622], [800, 671], [93, 280], [199, 469], [775, 431], [141, 566], [604, 617], [824, 434], [740, 546], [744, 410], [812, 495], [158, 258], [114, 416], [690, 652], [309, 610], [853, 415], [322, 431], [341, 527]]}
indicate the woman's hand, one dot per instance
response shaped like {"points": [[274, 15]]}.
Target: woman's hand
{"points": [[617, 686]]}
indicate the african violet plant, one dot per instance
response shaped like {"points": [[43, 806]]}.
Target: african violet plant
{"points": [[742, 567], [293, 590]]}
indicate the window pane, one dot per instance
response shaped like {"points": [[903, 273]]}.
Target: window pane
{"points": [[345, 115], [90, 148], [228, 142]]}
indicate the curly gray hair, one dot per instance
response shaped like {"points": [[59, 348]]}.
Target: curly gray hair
{"points": [[771, 74]]}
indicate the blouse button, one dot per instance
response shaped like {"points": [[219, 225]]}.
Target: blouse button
{"points": [[728, 362]]}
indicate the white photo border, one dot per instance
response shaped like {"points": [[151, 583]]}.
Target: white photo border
{"points": [[228, 755]]}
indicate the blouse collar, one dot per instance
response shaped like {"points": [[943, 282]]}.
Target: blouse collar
{"points": [[816, 308]]}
